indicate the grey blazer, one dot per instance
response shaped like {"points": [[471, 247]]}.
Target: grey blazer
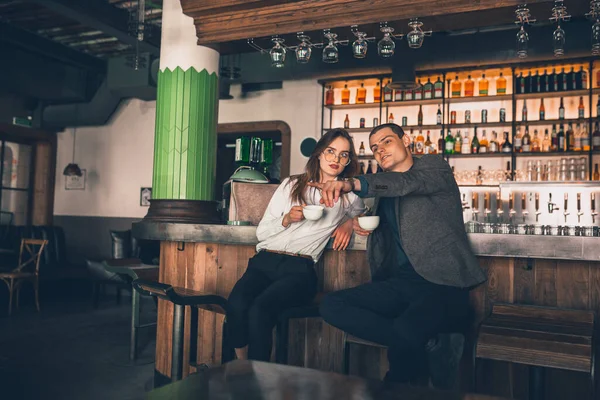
{"points": [[430, 222]]}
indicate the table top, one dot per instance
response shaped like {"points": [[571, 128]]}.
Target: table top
{"points": [[253, 380]]}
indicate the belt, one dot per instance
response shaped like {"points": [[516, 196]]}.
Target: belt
{"points": [[290, 254]]}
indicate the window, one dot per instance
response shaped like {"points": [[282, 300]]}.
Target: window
{"points": [[15, 193]]}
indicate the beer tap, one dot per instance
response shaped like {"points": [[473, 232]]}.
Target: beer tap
{"points": [[524, 212], [465, 203], [566, 206], [551, 205], [486, 206], [594, 213], [500, 210], [511, 208], [475, 206], [579, 213], [537, 207]]}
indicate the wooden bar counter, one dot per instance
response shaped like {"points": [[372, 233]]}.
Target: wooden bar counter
{"points": [[551, 271]]}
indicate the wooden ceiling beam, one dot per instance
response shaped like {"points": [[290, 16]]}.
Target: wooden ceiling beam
{"points": [[272, 17]]}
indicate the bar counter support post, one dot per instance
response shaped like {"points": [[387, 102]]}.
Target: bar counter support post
{"points": [[135, 323], [537, 383], [177, 344]]}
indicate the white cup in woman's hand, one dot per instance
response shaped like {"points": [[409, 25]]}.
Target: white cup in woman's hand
{"points": [[369, 223], [313, 212]]}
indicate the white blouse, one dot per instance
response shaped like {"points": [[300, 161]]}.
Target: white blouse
{"points": [[305, 237]]}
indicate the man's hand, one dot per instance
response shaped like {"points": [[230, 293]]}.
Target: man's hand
{"points": [[331, 191], [360, 231], [342, 235], [295, 215]]}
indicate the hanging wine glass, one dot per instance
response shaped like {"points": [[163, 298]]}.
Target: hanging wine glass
{"points": [[522, 43], [330, 52], [360, 45], [416, 36], [304, 50], [596, 38], [558, 41], [386, 46], [277, 53]]}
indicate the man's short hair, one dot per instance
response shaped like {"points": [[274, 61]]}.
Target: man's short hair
{"points": [[397, 129]]}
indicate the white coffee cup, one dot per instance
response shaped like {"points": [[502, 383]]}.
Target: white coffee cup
{"points": [[369, 223], [313, 212]]}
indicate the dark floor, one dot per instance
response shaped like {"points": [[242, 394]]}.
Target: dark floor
{"points": [[72, 351]]}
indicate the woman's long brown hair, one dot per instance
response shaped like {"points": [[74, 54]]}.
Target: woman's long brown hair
{"points": [[313, 168]]}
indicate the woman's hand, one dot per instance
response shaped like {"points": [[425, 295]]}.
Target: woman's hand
{"points": [[295, 215], [342, 235], [360, 231]]}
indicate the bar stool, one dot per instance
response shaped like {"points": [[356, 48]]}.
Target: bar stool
{"points": [[540, 337], [282, 332], [181, 297], [132, 269]]}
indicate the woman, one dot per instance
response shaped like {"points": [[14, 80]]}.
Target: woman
{"points": [[282, 274]]}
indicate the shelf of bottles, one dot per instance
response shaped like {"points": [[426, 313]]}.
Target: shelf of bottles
{"points": [[496, 114]]}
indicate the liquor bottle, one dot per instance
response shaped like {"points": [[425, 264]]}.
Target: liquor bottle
{"points": [[561, 139], [420, 116], [439, 116], [387, 92], [536, 83], [345, 95], [577, 145], [465, 148], [456, 87], [362, 123], [554, 81], [449, 144], [361, 94], [542, 110], [561, 110], [583, 78], [572, 80], [428, 148], [581, 108], [506, 146], [554, 142], [418, 92], [441, 143], [545, 83], [438, 89], [518, 144], [501, 85], [475, 145], [329, 96], [585, 139], [346, 122], [391, 118], [528, 83], [361, 149], [404, 121], [536, 143], [509, 177], [521, 83], [467, 116], [419, 143], [483, 143], [546, 142], [469, 87], [526, 145], [483, 86], [563, 80], [408, 95], [494, 147], [457, 143], [377, 93], [484, 114], [570, 139], [596, 137], [398, 95], [524, 112], [411, 147], [596, 176], [428, 90]]}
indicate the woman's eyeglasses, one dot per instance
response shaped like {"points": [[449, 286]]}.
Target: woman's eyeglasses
{"points": [[331, 156]]}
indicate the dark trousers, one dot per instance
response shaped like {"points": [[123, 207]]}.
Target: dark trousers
{"points": [[271, 284], [403, 314]]}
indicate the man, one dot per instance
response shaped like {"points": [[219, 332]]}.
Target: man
{"points": [[422, 265]]}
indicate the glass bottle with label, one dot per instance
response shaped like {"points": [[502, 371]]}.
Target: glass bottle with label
{"points": [[546, 142], [484, 114], [398, 95], [449, 143], [583, 78], [418, 92], [377, 93], [561, 109], [456, 86], [388, 92], [475, 145], [428, 90], [581, 108], [524, 112], [554, 139], [596, 137], [585, 139], [457, 143], [526, 145], [345, 95], [554, 81], [518, 142], [563, 80], [441, 143], [391, 118], [408, 95], [596, 176], [329, 96], [494, 146], [506, 145], [420, 115], [536, 143], [501, 85], [439, 116], [346, 122], [577, 145], [419, 143], [466, 144], [438, 89], [361, 149], [428, 149], [521, 83], [561, 139], [361, 94], [469, 87], [483, 86], [542, 110], [570, 138], [483, 143]]}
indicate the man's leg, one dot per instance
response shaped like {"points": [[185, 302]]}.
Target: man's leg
{"points": [[366, 311]]}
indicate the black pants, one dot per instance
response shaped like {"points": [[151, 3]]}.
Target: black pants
{"points": [[271, 284], [401, 314]]}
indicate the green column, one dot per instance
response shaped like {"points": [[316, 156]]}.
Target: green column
{"points": [[185, 146]]}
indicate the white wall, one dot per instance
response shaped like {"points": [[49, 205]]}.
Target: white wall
{"points": [[118, 156]]}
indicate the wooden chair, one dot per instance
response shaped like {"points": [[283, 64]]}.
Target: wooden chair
{"points": [[26, 270], [540, 337]]}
